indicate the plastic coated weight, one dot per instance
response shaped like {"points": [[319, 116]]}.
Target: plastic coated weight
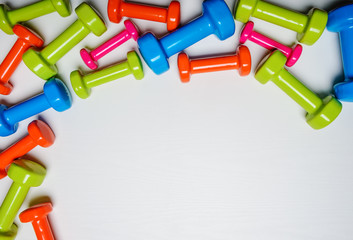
{"points": [[91, 58], [309, 27], [26, 39], [341, 20], [25, 174], [117, 9], [55, 95], [82, 84], [292, 54], [240, 61], [38, 216], [320, 112], [39, 134], [43, 63], [8, 18]]}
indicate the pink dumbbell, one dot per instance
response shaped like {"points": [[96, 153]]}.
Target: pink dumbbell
{"points": [[292, 54], [91, 58]]}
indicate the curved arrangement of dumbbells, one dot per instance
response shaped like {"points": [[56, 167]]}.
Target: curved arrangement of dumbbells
{"points": [[216, 19]]}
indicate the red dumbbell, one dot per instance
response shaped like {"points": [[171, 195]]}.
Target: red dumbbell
{"points": [[38, 215], [241, 61], [26, 39], [117, 9], [39, 134]]}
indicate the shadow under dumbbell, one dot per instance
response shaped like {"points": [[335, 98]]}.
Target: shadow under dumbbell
{"points": [[34, 159], [335, 5], [338, 79], [39, 200], [63, 79], [156, 33], [52, 126], [5, 102]]}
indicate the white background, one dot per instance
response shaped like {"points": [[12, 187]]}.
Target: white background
{"points": [[220, 158]]}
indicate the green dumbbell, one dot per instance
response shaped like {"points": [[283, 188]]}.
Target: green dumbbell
{"points": [[25, 174], [8, 18], [43, 63], [82, 84], [309, 27], [320, 113]]}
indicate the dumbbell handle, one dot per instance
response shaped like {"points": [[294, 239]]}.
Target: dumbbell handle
{"points": [[17, 150], [189, 34], [110, 45], [269, 43], [36, 105], [106, 75], [13, 59], [298, 91], [9, 207], [30, 12], [157, 14], [281, 16], [42, 229], [208, 65], [64, 42]]}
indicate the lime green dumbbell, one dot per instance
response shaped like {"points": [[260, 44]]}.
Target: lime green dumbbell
{"points": [[82, 84], [25, 174], [320, 113], [8, 18], [43, 63], [309, 27]]}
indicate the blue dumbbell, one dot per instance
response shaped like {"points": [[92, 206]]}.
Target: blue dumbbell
{"points": [[216, 19], [56, 95], [341, 20]]}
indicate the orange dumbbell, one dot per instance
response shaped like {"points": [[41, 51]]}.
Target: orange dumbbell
{"points": [[39, 134], [240, 61], [117, 9], [38, 216], [26, 39]]}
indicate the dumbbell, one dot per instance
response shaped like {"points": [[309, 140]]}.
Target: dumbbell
{"points": [[91, 58], [240, 61], [309, 27], [216, 19], [39, 134], [55, 95], [8, 18], [340, 20], [26, 39], [43, 63], [38, 216], [82, 84], [25, 174], [292, 54], [117, 9], [320, 112]]}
